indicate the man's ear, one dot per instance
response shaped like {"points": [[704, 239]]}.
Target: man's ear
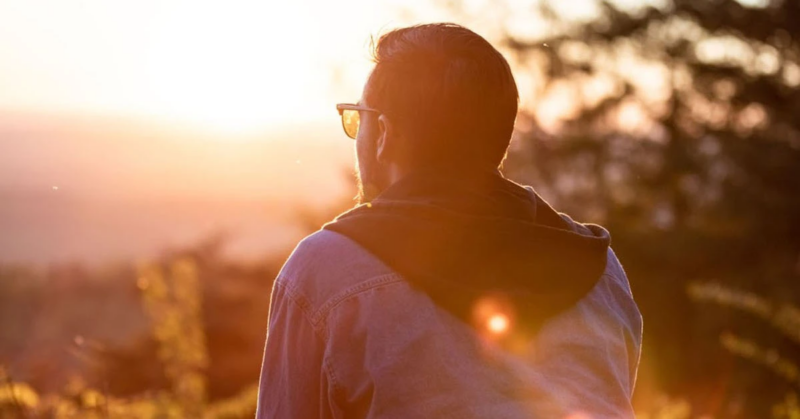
{"points": [[387, 139]]}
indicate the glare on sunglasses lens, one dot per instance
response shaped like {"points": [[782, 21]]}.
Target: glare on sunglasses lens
{"points": [[350, 122]]}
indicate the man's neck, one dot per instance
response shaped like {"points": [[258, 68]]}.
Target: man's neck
{"points": [[396, 173]]}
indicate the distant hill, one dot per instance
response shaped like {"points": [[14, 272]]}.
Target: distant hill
{"points": [[81, 188]]}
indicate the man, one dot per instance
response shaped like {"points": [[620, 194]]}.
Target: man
{"points": [[451, 292]]}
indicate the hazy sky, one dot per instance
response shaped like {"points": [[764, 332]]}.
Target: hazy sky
{"points": [[230, 63]]}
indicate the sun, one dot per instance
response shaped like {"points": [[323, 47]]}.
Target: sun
{"points": [[233, 68], [234, 65]]}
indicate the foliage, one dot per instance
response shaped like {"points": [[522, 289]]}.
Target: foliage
{"points": [[172, 295], [173, 302]]}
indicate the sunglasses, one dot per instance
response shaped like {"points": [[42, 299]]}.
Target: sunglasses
{"points": [[351, 117]]}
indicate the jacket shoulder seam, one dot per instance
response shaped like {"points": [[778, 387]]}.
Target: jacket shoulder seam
{"points": [[322, 313], [304, 307]]}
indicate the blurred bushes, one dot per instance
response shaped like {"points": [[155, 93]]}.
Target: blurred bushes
{"points": [[180, 336], [198, 353]]}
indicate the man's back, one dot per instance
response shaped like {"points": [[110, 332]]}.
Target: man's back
{"points": [[349, 336], [454, 292]]}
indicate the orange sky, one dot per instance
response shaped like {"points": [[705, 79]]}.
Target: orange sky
{"points": [[236, 65], [232, 64]]}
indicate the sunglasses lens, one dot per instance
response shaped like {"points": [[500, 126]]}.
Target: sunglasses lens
{"points": [[350, 122]]}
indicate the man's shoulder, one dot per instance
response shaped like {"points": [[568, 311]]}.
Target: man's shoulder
{"points": [[326, 267]]}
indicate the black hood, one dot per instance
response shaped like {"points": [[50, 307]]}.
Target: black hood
{"points": [[462, 239]]}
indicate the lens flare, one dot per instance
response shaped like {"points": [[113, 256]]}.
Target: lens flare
{"points": [[493, 315], [498, 323]]}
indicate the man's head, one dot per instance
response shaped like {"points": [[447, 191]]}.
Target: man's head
{"points": [[446, 101]]}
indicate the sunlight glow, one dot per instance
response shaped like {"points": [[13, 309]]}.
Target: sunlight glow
{"points": [[232, 66], [493, 315], [498, 323], [235, 66]]}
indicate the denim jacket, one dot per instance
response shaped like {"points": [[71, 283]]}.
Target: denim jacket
{"points": [[349, 337]]}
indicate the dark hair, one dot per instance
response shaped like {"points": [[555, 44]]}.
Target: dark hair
{"points": [[449, 91]]}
